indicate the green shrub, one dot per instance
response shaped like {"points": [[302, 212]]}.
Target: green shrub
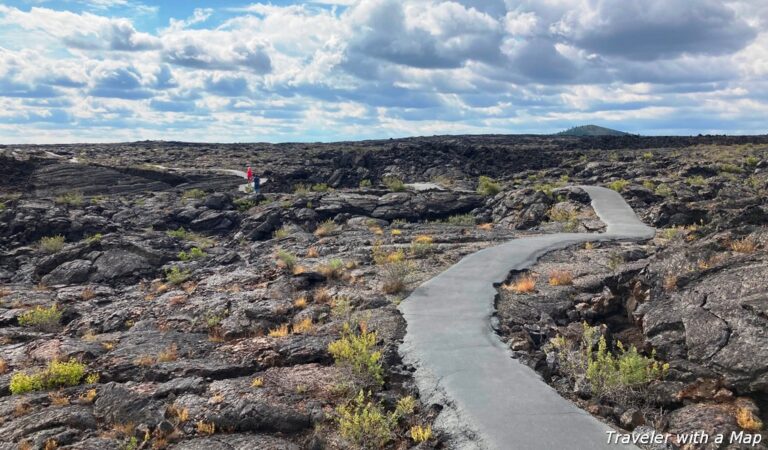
{"points": [[320, 187], [650, 185], [546, 188], [2, 206], [282, 232], [51, 244], [301, 189], [751, 161], [286, 259], [618, 185], [465, 220], [57, 374], [175, 275], [193, 194], [730, 168], [364, 423], [358, 353], [365, 183], [647, 156], [194, 253], [619, 377], [488, 186], [41, 318], [696, 180], [394, 184], [181, 233], [94, 238], [244, 204], [663, 190], [70, 199], [201, 241]]}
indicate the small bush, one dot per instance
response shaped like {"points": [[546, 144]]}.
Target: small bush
{"points": [[358, 353], [333, 269], [696, 180], [94, 238], [647, 156], [282, 232], [175, 275], [617, 377], [422, 245], [70, 199], [286, 260], [326, 228], [561, 278], [257, 382], [395, 276], [488, 186], [320, 187], [421, 434], [300, 189], [751, 161], [546, 188], [180, 233], [650, 185], [730, 168], [618, 185], [57, 374], [313, 252], [193, 194], [365, 183], [244, 204], [663, 190], [195, 253], [52, 244], [43, 319], [394, 184], [466, 220], [205, 428], [364, 423]]}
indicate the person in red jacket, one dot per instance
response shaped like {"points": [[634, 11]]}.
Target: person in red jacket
{"points": [[249, 174]]}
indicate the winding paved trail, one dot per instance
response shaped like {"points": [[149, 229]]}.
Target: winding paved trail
{"points": [[494, 401]]}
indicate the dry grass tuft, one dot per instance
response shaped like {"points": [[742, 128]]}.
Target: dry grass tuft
{"points": [[88, 294], [280, 331], [746, 245], [88, 397], [322, 295], [257, 382], [3, 366], [312, 252], [485, 226], [747, 420], [303, 326], [206, 428], [523, 285], [670, 282], [169, 354], [300, 302], [561, 278], [58, 399]]}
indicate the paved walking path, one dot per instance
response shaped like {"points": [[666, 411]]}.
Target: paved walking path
{"points": [[495, 402]]}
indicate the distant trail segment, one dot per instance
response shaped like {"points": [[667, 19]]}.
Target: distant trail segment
{"points": [[494, 401]]}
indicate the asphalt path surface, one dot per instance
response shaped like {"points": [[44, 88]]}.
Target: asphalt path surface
{"points": [[493, 401]]}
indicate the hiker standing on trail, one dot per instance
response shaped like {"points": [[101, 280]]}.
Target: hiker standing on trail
{"points": [[249, 174], [256, 183]]}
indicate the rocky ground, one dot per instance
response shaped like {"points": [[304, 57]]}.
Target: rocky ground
{"points": [[197, 316]]}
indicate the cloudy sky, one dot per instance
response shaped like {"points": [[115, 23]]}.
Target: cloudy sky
{"points": [[324, 70]]}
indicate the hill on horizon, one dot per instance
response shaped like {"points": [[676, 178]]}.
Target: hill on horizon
{"points": [[591, 130]]}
